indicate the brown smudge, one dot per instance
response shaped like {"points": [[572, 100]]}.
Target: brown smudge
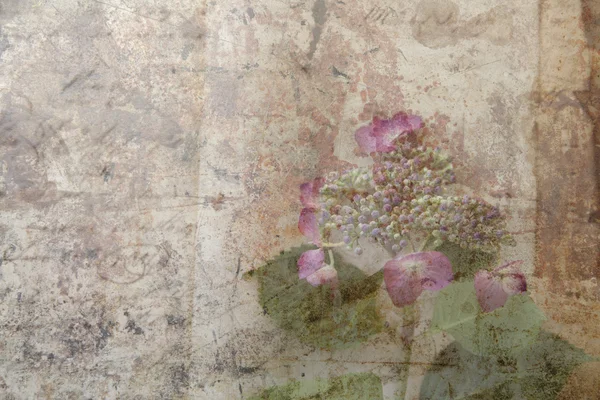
{"points": [[437, 24]]}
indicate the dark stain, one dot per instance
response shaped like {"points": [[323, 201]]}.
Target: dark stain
{"points": [[337, 73], [248, 370], [180, 378], [132, 327], [77, 78], [107, 172], [590, 100], [176, 320], [250, 12], [380, 14], [105, 332], [319, 12]]}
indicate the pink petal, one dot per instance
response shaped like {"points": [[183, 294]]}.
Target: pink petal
{"points": [[406, 122], [365, 139], [513, 280], [436, 272], [381, 134], [309, 262], [489, 290], [325, 275], [407, 276], [402, 284], [309, 193], [308, 226]]}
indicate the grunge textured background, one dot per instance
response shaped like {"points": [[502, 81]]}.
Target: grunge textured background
{"points": [[151, 154]]}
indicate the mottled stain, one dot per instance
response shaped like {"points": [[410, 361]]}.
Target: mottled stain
{"points": [[437, 24], [319, 13]]}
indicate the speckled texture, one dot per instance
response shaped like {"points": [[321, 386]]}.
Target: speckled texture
{"points": [[151, 153]]}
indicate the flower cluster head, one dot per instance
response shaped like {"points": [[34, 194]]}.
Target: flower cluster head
{"points": [[397, 199]]}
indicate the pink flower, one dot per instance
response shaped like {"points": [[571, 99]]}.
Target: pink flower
{"points": [[312, 267], [493, 288], [380, 135], [307, 223], [309, 193], [407, 276]]}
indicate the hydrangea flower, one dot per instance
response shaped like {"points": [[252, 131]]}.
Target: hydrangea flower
{"points": [[493, 288], [407, 276], [400, 197]]}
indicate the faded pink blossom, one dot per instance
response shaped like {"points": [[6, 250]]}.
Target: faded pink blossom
{"points": [[309, 226], [309, 262], [309, 193], [307, 223], [312, 267], [380, 135], [407, 276], [324, 276], [494, 288]]}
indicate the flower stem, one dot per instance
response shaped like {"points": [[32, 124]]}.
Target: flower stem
{"points": [[333, 244], [425, 242], [331, 260], [412, 245]]}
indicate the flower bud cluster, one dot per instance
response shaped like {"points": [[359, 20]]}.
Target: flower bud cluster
{"points": [[402, 195], [469, 222], [413, 171]]}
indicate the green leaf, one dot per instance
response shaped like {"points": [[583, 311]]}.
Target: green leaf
{"points": [[366, 386], [465, 263], [507, 330], [538, 373], [309, 312]]}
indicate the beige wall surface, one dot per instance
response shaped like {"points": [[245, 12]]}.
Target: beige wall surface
{"points": [[151, 153]]}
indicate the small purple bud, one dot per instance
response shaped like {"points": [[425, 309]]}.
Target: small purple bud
{"points": [[364, 227], [362, 219], [386, 200], [375, 232], [375, 214], [465, 200], [477, 236], [346, 239], [357, 198], [499, 234], [403, 243], [377, 195], [358, 251], [387, 208]]}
